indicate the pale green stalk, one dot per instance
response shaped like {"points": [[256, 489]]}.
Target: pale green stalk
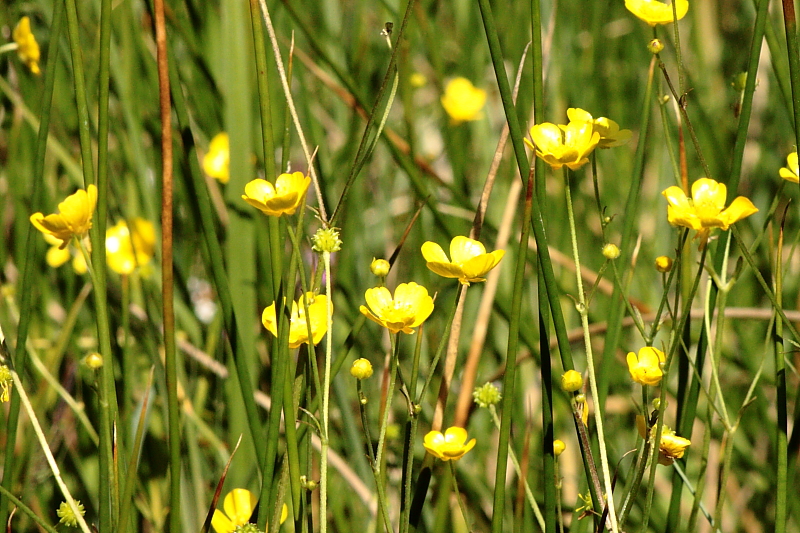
{"points": [[326, 385], [27, 510], [377, 466], [584, 313], [46, 449], [458, 495]]}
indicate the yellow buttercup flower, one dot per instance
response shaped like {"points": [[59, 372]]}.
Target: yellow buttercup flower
{"points": [[663, 264], [610, 134], [283, 198], [126, 249], [57, 256], [463, 101], [564, 145], [216, 162], [656, 12], [790, 172], [74, 217], [470, 262], [239, 505], [298, 327], [670, 447], [409, 308], [645, 368], [450, 446], [705, 210], [6, 381], [27, 47]]}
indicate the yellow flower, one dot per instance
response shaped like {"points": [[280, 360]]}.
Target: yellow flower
{"points": [[645, 368], [73, 219], [790, 171], [610, 134], [670, 447], [663, 264], [705, 210], [571, 381], [559, 447], [5, 383], [564, 145], [470, 262], [361, 369], [656, 12], [239, 505], [450, 446], [125, 249], [409, 308], [216, 162], [463, 101], [283, 198], [27, 47], [298, 328]]}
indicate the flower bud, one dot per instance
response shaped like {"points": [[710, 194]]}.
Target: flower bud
{"points": [[380, 267], [66, 515], [610, 251], [361, 369], [571, 380], [655, 46], [663, 264], [94, 361], [559, 447]]}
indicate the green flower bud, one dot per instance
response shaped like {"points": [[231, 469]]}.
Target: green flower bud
{"points": [[361, 369], [486, 395], [326, 240]]}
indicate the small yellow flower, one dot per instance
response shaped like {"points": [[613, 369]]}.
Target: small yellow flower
{"points": [[73, 219], [409, 308], [283, 198], [125, 249], [93, 360], [559, 447], [5, 383], [239, 505], [463, 101], [361, 369], [645, 368], [27, 47], [790, 172], [670, 447], [656, 12], [298, 328], [571, 381], [663, 264], [66, 516], [450, 446], [380, 267], [564, 145], [470, 262], [417, 80], [705, 210], [611, 251], [216, 162], [610, 134]]}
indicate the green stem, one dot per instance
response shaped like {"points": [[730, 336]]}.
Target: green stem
{"points": [[587, 339], [377, 465], [30, 258], [790, 24], [326, 385], [458, 496], [781, 429], [27, 510]]}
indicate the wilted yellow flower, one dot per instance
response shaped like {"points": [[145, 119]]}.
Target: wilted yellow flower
{"points": [[216, 162], [380, 267], [409, 308], [670, 447], [564, 145], [74, 217], [705, 210], [361, 369], [298, 328], [645, 368], [126, 249], [27, 47], [66, 516], [571, 381], [283, 198], [463, 101], [559, 447], [790, 172], [5, 383], [470, 262], [450, 446], [663, 264], [610, 134], [656, 12]]}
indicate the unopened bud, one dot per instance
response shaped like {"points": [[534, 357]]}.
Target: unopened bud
{"points": [[571, 380], [559, 447], [380, 267], [655, 46], [610, 251], [361, 369], [663, 264], [94, 361]]}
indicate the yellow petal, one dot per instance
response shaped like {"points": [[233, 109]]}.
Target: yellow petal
{"points": [[220, 522], [432, 252], [740, 208], [463, 249], [239, 505]]}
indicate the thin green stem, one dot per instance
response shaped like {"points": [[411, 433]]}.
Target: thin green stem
{"points": [[793, 51], [458, 496], [326, 385], [584, 314], [781, 429], [27, 510], [377, 465]]}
